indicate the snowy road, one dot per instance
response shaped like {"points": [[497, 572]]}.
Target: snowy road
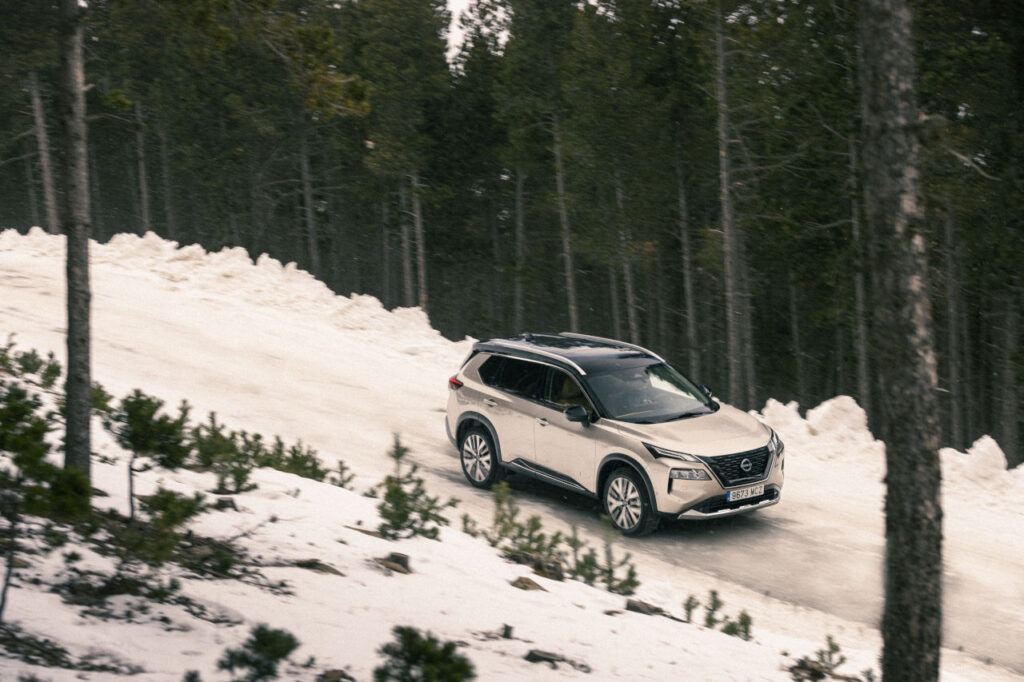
{"points": [[270, 350]]}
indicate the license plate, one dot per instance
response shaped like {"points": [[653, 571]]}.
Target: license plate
{"points": [[744, 493]]}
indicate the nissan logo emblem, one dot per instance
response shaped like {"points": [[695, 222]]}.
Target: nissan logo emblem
{"points": [[746, 465]]}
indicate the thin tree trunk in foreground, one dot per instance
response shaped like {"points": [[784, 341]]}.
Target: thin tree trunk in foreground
{"points": [[78, 386], [912, 617]]}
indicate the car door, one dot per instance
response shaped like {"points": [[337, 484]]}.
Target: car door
{"points": [[513, 406], [562, 446]]}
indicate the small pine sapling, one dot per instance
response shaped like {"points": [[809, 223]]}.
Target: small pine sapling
{"points": [[711, 618], [406, 509], [413, 657], [517, 539], [167, 510], [584, 564], [138, 428], [342, 477], [689, 606], [625, 586], [739, 627], [260, 654]]}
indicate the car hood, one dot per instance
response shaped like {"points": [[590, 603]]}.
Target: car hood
{"points": [[726, 431]]}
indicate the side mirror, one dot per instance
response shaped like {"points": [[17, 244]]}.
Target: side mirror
{"points": [[707, 391], [577, 413]]}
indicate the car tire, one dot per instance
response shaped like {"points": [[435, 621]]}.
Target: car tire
{"points": [[479, 458], [627, 504]]}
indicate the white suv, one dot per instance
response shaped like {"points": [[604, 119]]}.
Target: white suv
{"points": [[609, 419]]}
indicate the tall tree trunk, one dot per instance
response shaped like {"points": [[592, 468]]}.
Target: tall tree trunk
{"points": [[746, 324], [312, 235], [407, 288], [730, 242], [518, 301], [30, 184], [613, 295], [563, 219], [625, 260], [385, 252], [78, 386], [421, 245], [912, 618], [953, 351], [45, 165], [1009, 440], [859, 292], [170, 219], [692, 341], [798, 351], [143, 171]]}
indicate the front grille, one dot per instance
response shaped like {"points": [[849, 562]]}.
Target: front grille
{"points": [[729, 468], [721, 503]]}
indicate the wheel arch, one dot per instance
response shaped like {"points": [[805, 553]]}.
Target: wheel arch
{"points": [[470, 419], [615, 460]]}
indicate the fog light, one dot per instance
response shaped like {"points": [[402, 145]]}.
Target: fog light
{"points": [[689, 474]]}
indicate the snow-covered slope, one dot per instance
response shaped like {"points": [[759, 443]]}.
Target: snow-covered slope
{"points": [[271, 350]]}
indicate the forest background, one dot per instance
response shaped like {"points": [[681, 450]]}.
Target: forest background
{"points": [[682, 174]]}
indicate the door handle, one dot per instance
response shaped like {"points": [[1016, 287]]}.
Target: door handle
{"points": [[490, 402], [542, 421]]}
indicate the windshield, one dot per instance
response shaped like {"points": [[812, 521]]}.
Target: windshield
{"points": [[646, 394]]}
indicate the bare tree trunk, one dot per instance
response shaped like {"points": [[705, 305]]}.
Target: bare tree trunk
{"points": [[859, 292], [312, 235], [912, 617], [1009, 439], [625, 261], [563, 218], [385, 252], [692, 348], [99, 230], [730, 246], [798, 352], [165, 167], [953, 351], [143, 171], [613, 294], [407, 289], [421, 244], [518, 302], [78, 386], [747, 325], [30, 183], [45, 166]]}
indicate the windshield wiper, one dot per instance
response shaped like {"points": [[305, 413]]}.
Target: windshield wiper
{"points": [[689, 413]]}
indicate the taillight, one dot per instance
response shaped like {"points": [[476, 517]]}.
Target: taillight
{"points": [[454, 384]]}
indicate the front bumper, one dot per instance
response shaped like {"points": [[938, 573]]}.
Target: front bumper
{"points": [[718, 506]]}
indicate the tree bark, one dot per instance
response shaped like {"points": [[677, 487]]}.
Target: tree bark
{"points": [[140, 159], [563, 219], [798, 351], [407, 288], [613, 295], [692, 340], [312, 236], [45, 165], [1010, 413], [78, 386], [421, 245], [625, 262], [170, 218], [30, 183], [953, 350], [912, 617], [859, 290], [730, 243], [518, 301]]}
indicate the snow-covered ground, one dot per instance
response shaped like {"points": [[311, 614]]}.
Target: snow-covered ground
{"points": [[271, 350]]}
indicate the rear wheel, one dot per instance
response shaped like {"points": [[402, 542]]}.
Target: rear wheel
{"points": [[626, 502], [479, 458]]}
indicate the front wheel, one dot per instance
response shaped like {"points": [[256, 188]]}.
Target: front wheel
{"points": [[479, 458], [626, 502]]}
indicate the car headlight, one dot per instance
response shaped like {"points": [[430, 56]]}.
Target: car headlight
{"points": [[775, 445], [672, 454], [689, 475]]}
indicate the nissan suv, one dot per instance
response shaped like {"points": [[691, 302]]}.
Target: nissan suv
{"points": [[611, 420]]}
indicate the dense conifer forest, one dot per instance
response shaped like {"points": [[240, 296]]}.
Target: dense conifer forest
{"points": [[682, 174]]}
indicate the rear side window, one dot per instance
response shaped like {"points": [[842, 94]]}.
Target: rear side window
{"points": [[520, 377]]}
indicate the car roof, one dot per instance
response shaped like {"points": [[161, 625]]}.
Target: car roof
{"points": [[580, 352]]}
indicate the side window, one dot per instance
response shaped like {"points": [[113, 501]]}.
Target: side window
{"points": [[523, 378], [490, 370], [564, 391]]}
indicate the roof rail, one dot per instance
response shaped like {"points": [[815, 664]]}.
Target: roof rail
{"points": [[613, 342], [527, 348]]}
